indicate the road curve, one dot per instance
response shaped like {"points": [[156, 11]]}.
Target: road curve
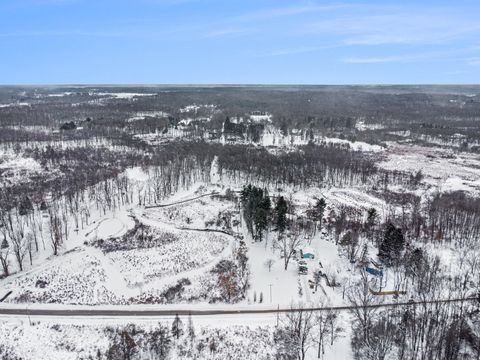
{"points": [[152, 312]]}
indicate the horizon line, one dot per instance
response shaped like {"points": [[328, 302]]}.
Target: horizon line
{"points": [[229, 84]]}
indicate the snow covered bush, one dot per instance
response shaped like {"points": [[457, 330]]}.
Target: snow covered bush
{"points": [[234, 342], [188, 251], [135, 342], [205, 212], [75, 278], [140, 237]]}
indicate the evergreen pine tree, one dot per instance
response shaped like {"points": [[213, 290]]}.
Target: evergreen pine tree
{"points": [[5, 244], [320, 207], [25, 206], [281, 214], [177, 327], [160, 341], [190, 329], [392, 245], [371, 219]]}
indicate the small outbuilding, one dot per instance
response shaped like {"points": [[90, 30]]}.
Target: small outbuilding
{"points": [[308, 253]]}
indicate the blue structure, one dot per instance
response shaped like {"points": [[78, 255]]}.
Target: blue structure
{"points": [[308, 254], [374, 272]]}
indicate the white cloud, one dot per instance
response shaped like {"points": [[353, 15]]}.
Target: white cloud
{"points": [[288, 51], [474, 61], [66, 32], [374, 60], [227, 32], [45, 2], [456, 72], [455, 55], [398, 26], [287, 11]]}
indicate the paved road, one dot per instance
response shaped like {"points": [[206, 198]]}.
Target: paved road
{"points": [[150, 312]]}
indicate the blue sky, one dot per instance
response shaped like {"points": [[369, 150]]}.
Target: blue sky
{"points": [[247, 41]]}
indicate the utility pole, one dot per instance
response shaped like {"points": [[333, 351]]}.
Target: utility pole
{"points": [[270, 292], [278, 314], [28, 314]]}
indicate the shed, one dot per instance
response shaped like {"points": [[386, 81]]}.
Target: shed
{"points": [[308, 253]]}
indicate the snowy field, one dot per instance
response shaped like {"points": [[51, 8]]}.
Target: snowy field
{"points": [[195, 108], [44, 340], [168, 262], [122, 95], [202, 213], [105, 265], [158, 138], [105, 223], [17, 169], [142, 115], [235, 337], [14, 104], [87, 275], [74, 278], [442, 168], [189, 252], [273, 137]]}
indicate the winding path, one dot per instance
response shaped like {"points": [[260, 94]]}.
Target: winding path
{"points": [[180, 201]]}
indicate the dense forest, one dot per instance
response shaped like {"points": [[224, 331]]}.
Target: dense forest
{"points": [[366, 169]]}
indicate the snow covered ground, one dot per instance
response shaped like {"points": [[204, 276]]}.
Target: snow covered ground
{"points": [[261, 118], [158, 138], [14, 104], [354, 145], [202, 213], [62, 94], [122, 95], [116, 276], [273, 137], [74, 278], [88, 275], [47, 340], [441, 168], [195, 108], [17, 169], [191, 251], [141, 115], [236, 337]]}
